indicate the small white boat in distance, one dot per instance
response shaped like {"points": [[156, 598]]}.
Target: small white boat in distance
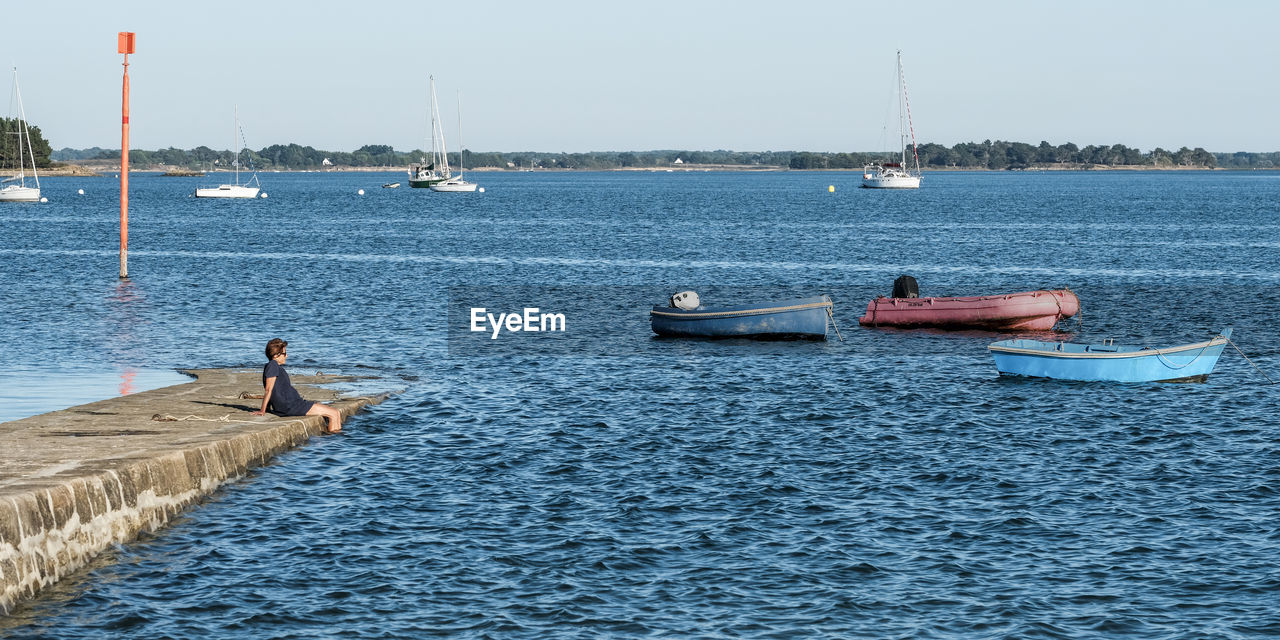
{"points": [[236, 190], [895, 175], [20, 192]]}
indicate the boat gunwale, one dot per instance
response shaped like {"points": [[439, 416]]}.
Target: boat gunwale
{"points": [[999, 296], [727, 313], [1143, 352]]}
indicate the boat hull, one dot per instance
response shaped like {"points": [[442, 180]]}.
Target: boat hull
{"points": [[889, 176], [424, 183], [450, 186], [890, 182], [1108, 363], [805, 318], [228, 191], [1022, 311], [15, 193]]}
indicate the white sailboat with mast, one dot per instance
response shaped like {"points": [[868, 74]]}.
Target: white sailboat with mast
{"points": [[896, 175], [20, 192], [236, 190], [456, 184], [426, 173]]}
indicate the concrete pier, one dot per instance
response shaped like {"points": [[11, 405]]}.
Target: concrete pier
{"points": [[74, 482]]}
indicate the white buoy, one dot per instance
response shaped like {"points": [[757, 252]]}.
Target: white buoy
{"points": [[44, 199], [264, 196], [81, 192], [360, 192], [481, 189]]}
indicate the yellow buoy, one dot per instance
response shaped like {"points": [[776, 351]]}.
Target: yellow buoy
{"points": [[831, 188]]}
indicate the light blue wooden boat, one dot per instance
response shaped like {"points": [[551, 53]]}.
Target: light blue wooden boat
{"points": [[1108, 361], [805, 318]]}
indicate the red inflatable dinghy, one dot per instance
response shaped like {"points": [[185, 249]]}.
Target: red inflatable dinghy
{"points": [[1022, 311]]}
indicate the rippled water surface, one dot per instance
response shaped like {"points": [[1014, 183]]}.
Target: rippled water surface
{"points": [[604, 483]]}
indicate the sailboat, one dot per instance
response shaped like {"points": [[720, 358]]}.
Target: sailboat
{"points": [[896, 175], [456, 184], [235, 190], [424, 174], [20, 192]]}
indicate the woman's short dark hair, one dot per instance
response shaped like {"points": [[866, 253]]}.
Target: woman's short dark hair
{"points": [[274, 347]]}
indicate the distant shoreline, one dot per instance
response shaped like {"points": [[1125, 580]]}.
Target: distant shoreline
{"points": [[102, 171]]}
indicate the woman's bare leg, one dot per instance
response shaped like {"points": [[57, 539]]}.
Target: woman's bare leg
{"points": [[332, 415]]}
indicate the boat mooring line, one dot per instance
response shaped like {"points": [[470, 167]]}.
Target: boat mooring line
{"points": [[1246, 359], [1171, 365], [1079, 308], [833, 324]]}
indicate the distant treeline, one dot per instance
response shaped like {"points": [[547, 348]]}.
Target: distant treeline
{"points": [[991, 155], [998, 154], [297, 157], [9, 129]]}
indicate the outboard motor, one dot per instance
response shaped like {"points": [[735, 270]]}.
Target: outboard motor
{"points": [[687, 300], [906, 287]]}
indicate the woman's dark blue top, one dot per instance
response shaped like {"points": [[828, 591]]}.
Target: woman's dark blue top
{"points": [[285, 400]]}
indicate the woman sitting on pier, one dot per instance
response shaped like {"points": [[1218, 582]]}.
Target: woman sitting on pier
{"points": [[282, 398]]}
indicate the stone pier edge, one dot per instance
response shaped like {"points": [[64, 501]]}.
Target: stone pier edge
{"points": [[53, 530]]}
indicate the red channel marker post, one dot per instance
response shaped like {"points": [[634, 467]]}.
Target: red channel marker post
{"points": [[124, 44]]}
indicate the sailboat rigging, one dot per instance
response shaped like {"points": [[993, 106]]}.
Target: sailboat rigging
{"points": [[424, 174], [456, 184]]}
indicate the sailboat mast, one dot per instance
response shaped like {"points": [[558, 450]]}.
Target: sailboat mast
{"points": [[902, 128], [24, 131], [431, 120], [235, 159], [461, 164], [441, 156]]}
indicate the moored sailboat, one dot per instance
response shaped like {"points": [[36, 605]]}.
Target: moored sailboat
{"points": [[20, 191], [235, 190], [426, 173], [456, 184], [896, 175]]}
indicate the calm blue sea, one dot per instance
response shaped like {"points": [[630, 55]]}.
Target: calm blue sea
{"points": [[603, 483]]}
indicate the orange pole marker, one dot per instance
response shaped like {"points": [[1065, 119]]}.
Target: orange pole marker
{"points": [[124, 44]]}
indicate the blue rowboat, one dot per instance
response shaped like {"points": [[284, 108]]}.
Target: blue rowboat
{"points": [[1108, 361], [804, 318]]}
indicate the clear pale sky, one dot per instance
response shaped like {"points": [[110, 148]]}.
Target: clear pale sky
{"points": [[660, 74]]}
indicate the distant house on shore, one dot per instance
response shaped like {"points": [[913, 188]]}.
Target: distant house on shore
{"points": [[678, 161], [326, 163]]}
